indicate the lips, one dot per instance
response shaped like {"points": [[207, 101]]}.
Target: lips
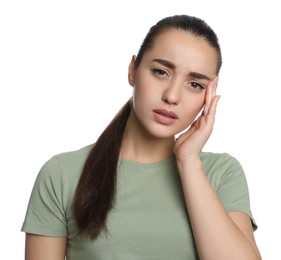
{"points": [[165, 113], [164, 116]]}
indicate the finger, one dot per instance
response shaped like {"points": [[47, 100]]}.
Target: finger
{"points": [[213, 108], [210, 93], [215, 86], [207, 100], [186, 134]]}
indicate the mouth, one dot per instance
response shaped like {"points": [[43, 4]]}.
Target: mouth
{"points": [[165, 113], [164, 117]]}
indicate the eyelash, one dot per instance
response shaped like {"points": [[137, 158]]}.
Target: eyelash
{"points": [[197, 85], [161, 73]]}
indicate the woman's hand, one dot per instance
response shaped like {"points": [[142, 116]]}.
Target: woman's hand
{"points": [[190, 143]]}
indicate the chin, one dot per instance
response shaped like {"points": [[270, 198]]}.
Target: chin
{"points": [[162, 133]]}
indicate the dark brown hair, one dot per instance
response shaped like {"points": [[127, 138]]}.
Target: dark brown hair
{"points": [[96, 189]]}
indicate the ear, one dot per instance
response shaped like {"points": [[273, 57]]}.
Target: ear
{"points": [[132, 71]]}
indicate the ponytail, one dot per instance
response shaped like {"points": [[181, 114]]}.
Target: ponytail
{"points": [[95, 193]]}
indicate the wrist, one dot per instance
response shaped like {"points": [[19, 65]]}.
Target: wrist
{"points": [[189, 165]]}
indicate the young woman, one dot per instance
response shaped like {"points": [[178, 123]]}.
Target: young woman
{"points": [[139, 192]]}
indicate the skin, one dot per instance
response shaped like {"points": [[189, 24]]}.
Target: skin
{"points": [[148, 140], [178, 74], [158, 85], [44, 248]]}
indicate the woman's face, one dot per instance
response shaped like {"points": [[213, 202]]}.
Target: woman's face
{"points": [[170, 82]]}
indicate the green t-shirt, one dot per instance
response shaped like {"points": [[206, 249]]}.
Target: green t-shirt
{"points": [[149, 219]]}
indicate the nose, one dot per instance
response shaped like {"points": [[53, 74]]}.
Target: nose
{"points": [[171, 94]]}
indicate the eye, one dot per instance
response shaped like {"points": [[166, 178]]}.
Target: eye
{"points": [[159, 73], [197, 85]]}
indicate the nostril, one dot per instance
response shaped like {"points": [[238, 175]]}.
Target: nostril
{"points": [[170, 99]]}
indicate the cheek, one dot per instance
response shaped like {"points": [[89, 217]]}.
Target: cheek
{"points": [[141, 95], [192, 106], [144, 89], [194, 103]]}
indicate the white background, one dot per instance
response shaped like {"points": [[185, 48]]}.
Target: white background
{"points": [[63, 76]]}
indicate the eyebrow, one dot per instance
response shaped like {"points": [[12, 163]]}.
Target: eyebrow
{"points": [[171, 65], [199, 76], [165, 63]]}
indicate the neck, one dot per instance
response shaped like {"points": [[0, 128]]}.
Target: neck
{"points": [[139, 145]]}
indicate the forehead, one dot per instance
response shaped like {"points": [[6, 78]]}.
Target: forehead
{"points": [[184, 50]]}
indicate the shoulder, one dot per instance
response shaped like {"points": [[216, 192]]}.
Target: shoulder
{"points": [[72, 159], [65, 165], [59, 176], [224, 160], [221, 165]]}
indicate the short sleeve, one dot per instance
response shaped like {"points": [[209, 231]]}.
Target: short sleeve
{"points": [[233, 188], [45, 213]]}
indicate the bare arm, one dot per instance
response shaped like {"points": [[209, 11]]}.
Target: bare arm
{"points": [[244, 223], [217, 233], [44, 248]]}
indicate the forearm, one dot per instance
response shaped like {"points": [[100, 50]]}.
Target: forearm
{"points": [[216, 235]]}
